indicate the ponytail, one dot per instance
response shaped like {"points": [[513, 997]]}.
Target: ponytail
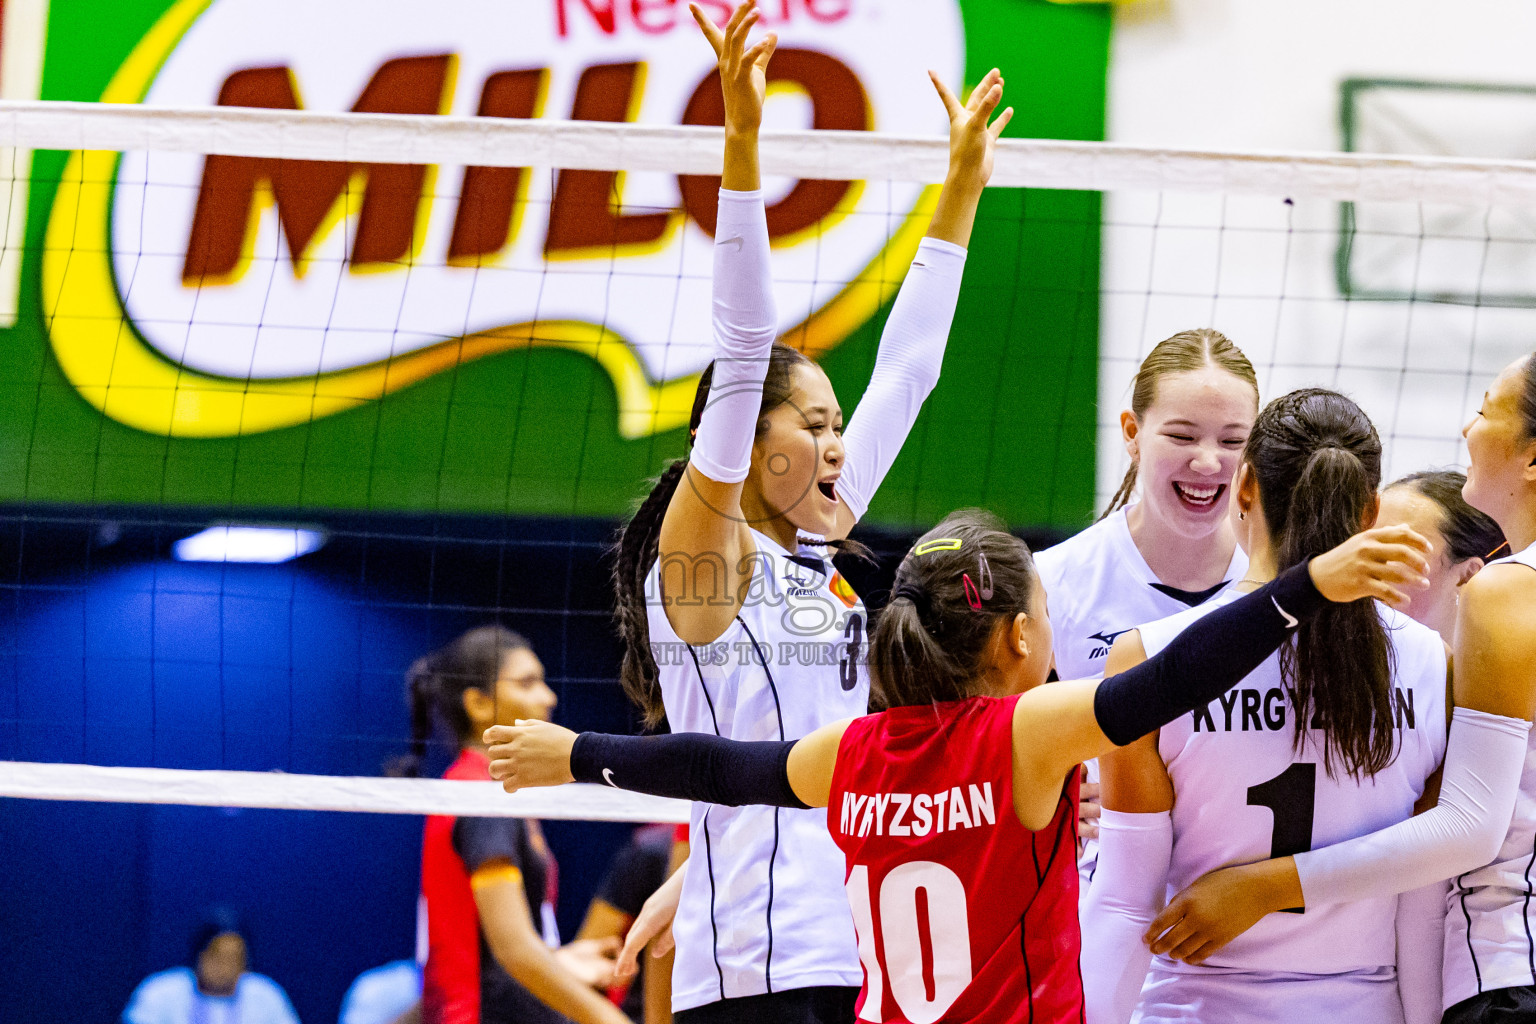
{"points": [[418, 693], [959, 581], [636, 548], [435, 685], [1317, 460], [1185, 352], [635, 553]]}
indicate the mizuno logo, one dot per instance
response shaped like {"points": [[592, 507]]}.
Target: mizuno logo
{"points": [[1105, 640], [1290, 620]]}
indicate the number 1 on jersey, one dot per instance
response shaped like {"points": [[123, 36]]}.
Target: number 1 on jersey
{"points": [[1290, 797]]}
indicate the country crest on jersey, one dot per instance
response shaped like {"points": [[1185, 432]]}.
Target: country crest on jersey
{"points": [[843, 590], [271, 292]]}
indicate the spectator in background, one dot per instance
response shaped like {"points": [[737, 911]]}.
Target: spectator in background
{"points": [[385, 995], [216, 989], [637, 870], [494, 954]]}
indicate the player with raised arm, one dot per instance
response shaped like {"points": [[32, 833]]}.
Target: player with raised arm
{"points": [[1193, 401], [955, 808], [1336, 735], [725, 563], [1481, 831]]}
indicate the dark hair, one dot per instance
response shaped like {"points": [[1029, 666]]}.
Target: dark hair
{"points": [[635, 550], [435, 685], [1183, 353], [1317, 460], [216, 921], [1468, 532], [1528, 396], [954, 586]]}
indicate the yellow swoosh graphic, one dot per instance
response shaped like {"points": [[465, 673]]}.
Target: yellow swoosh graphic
{"points": [[113, 368]]}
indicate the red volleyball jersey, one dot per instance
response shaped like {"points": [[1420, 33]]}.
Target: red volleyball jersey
{"points": [[962, 913]]}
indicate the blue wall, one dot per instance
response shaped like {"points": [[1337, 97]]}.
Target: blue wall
{"points": [[111, 653]]}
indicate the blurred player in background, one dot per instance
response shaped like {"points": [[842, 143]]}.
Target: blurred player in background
{"points": [[489, 884]]}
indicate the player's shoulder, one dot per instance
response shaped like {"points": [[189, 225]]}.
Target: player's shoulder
{"points": [[1407, 632], [1157, 634], [1069, 569], [1508, 579], [1084, 546], [261, 992], [164, 985]]}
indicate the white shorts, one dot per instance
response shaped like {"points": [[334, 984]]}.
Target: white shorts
{"points": [[1217, 995]]}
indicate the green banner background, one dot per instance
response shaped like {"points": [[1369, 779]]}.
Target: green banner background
{"points": [[1010, 427]]}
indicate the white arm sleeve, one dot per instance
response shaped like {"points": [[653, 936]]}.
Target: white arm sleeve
{"points": [[1420, 950], [745, 325], [1128, 890], [906, 369], [1484, 759]]}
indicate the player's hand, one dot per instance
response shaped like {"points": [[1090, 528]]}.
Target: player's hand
{"points": [[529, 753], [654, 923], [1388, 563], [743, 69], [590, 961], [971, 139], [1088, 809], [1217, 908]]}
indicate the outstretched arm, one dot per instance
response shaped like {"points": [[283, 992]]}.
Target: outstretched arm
{"points": [[1495, 695], [1057, 726], [685, 766], [703, 520], [912, 346]]}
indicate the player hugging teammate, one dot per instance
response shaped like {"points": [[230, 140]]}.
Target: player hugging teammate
{"points": [[939, 883]]}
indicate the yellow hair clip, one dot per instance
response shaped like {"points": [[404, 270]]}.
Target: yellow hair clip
{"points": [[928, 547]]}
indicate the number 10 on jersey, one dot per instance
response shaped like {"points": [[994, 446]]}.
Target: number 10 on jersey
{"points": [[924, 942]]}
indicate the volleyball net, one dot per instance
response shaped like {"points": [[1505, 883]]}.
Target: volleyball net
{"points": [[454, 349]]}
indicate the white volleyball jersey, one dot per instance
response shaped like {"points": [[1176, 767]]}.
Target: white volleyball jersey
{"points": [[1244, 793], [763, 907], [1490, 916], [1098, 586]]}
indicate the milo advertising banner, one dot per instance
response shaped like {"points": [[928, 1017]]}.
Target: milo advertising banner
{"points": [[246, 332]]}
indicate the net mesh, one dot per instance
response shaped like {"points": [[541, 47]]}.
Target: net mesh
{"points": [[442, 338]]}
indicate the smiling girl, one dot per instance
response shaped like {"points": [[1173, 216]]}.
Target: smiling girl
{"points": [[724, 566], [1193, 402]]}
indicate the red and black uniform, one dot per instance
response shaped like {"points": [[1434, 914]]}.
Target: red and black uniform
{"points": [[462, 982], [962, 913]]}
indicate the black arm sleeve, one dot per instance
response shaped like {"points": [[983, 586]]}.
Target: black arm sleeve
{"points": [[1207, 659], [689, 766]]}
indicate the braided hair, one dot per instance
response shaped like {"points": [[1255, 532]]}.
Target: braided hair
{"points": [[636, 548], [1317, 460], [435, 685]]}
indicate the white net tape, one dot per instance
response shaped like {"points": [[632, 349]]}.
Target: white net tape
{"points": [[506, 142], [490, 142], [281, 791]]}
